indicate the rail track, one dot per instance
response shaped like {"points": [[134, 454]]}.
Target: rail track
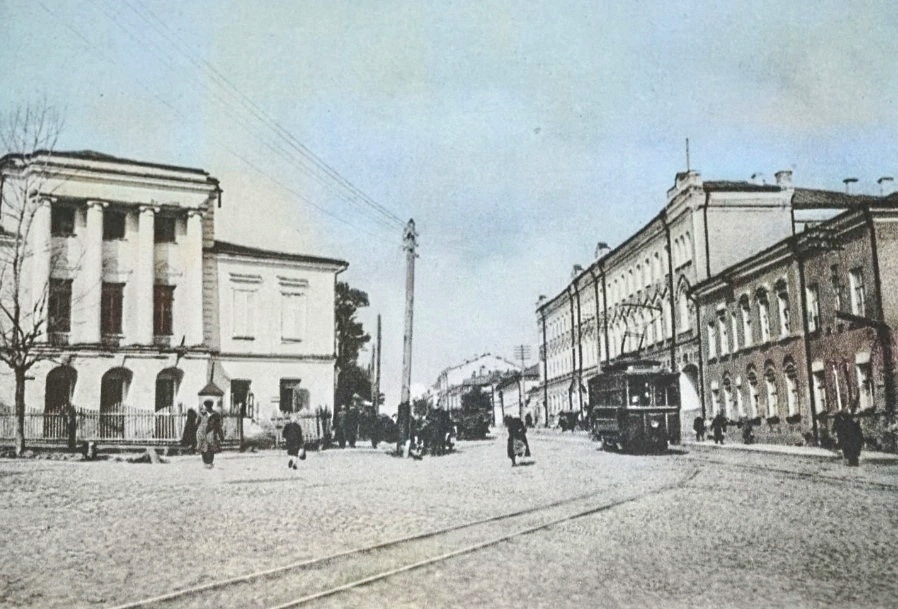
{"points": [[305, 581]]}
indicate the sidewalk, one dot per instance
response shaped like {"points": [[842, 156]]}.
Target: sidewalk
{"points": [[811, 452]]}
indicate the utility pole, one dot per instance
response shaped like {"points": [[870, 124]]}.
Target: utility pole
{"points": [[377, 355], [521, 352], [405, 406]]}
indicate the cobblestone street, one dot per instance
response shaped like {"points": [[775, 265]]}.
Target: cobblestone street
{"points": [[697, 529]]}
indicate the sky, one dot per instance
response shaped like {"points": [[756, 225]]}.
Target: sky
{"points": [[517, 135]]}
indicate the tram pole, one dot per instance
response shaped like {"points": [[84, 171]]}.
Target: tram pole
{"points": [[405, 407]]}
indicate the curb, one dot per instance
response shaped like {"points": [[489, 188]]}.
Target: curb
{"points": [[821, 454]]}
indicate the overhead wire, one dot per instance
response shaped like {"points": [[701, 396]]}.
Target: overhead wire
{"points": [[331, 178], [97, 50]]}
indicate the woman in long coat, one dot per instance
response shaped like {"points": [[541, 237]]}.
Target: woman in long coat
{"points": [[209, 434]]}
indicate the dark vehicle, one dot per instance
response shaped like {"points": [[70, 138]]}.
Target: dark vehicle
{"points": [[570, 420], [635, 407]]}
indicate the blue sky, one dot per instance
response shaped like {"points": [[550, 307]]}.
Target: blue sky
{"points": [[516, 134]]}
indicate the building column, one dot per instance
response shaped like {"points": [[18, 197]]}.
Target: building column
{"points": [[88, 281], [144, 274], [193, 278], [40, 255]]}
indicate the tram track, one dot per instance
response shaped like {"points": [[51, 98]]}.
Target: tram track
{"points": [[305, 581]]}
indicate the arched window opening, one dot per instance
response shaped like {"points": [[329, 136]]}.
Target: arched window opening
{"points": [[772, 397]]}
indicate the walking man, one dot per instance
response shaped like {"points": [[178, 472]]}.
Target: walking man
{"points": [[293, 439]]}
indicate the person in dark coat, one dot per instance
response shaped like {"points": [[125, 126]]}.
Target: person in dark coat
{"points": [[698, 426], [352, 423], [849, 436], [188, 438], [718, 427], [517, 433], [209, 434], [340, 425], [293, 439]]}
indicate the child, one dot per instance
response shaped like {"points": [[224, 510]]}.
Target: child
{"points": [[293, 438]]}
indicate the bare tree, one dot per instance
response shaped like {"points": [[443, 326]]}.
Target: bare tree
{"points": [[28, 136]]}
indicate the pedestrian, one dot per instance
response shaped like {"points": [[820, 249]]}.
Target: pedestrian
{"points": [[517, 439], [748, 437], [849, 436], [528, 420], [340, 425], [698, 426], [188, 438], [718, 427], [293, 439], [352, 422], [71, 418], [209, 434]]}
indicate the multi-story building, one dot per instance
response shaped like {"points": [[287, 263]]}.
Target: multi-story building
{"points": [[803, 329], [143, 307], [633, 300]]}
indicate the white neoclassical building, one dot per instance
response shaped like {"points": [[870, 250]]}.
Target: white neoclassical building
{"points": [[144, 308]]}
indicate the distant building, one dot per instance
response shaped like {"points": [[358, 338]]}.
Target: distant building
{"points": [[483, 372], [516, 395], [145, 307]]}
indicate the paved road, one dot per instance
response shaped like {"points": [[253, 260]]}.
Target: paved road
{"points": [[702, 529]]}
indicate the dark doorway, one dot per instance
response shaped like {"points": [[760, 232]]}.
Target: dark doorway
{"points": [[113, 391], [60, 388]]}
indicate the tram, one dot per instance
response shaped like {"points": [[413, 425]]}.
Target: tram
{"points": [[635, 407]]}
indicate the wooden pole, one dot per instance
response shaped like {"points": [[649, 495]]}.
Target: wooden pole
{"points": [[405, 411]]}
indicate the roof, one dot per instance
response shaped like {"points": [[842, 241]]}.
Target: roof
{"points": [[810, 198], [232, 249], [211, 389], [738, 186], [92, 155]]}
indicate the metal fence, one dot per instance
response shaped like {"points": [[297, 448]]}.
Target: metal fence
{"points": [[125, 424], [120, 425]]}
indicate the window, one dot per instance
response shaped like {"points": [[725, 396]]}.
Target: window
{"points": [[772, 399], [791, 388], [164, 229], [764, 315], [734, 325], [59, 305], [837, 286], [745, 310], [740, 404], [864, 386], [813, 298], [820, 392], [785, 319], [858, 297], [167, 382], [293, 398], [685, 320], [111, 308], [113, 224], [724, 332], [727, 397], [293, 316], [241, 398], [712, 340], [242, 313], [754, 408], [163, 301], [62, 221]]}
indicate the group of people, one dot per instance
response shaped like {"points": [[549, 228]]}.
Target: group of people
{"points": [[346, 425], [203, 433], [846, 429]]}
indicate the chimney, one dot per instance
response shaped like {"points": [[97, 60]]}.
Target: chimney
{"points": [[882, 184], [784, 178], [757, 178], [848, 182], [576, 271], [602, 250]]}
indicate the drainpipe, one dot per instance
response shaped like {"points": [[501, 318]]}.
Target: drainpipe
{"points": [[605, 312], [545, 371], [671, 295], [882, 329], [570, 398], [805, 338], [579, 348], [595, 286], [701, 357], [707, 238]]}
